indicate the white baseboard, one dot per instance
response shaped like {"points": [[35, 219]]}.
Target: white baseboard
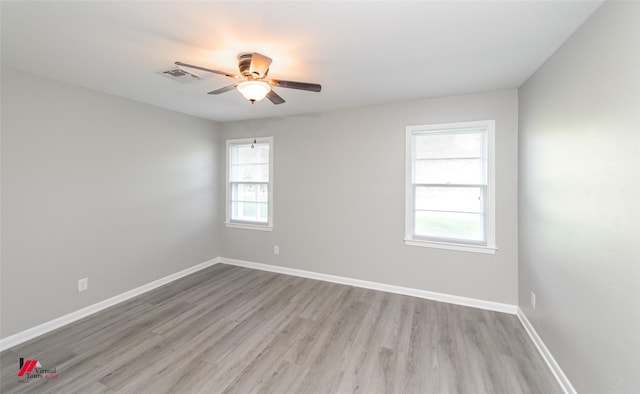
{"points": [[546, 354], [15, 339], [429, 295]]}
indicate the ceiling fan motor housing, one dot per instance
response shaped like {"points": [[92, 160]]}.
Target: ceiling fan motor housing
{"points": [[244, 63]]}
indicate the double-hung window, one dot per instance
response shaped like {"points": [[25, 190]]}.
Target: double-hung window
{"points": [[250, 183], [450, 200]]}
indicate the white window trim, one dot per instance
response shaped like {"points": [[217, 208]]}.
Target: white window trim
{"points": [[409, 238], [249, 226]]}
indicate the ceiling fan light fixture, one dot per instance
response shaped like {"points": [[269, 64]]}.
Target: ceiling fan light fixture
{"points": [[254, 90]]}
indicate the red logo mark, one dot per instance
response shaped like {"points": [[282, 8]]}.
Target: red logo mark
{"points": [[27, 367]]}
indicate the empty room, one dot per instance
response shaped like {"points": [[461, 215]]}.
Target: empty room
{"points": [[320, 197]]}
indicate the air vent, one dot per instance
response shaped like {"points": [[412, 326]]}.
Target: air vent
{"points": [[180, 74]]}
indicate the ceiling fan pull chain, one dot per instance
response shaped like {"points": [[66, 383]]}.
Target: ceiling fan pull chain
{"points": [[253, 115]]}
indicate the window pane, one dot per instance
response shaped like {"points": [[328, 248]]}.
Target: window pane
{"points": [[249, 172], [449, 145], [250, 192], [455, 171], [249, 211], [457, 199], [245, 154], [461, 226], [263, 212]]}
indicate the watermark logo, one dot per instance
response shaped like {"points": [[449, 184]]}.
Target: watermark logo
{"points": [[28, 366], [32, 369]]}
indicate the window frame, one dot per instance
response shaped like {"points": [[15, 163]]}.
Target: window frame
{"points": [[488, 247], [249, 225]]}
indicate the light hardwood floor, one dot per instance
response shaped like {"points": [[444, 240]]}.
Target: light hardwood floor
{"points": [[229, 329]]}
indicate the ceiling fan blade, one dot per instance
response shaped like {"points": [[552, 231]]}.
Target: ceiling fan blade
{"points": [[209, 70], [224, 89], [312, 87], [274, 98], [259, 65]]}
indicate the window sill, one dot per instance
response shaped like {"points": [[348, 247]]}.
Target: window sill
{"points": [[247, 226], [444, 245]]}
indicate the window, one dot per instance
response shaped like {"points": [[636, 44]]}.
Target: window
{"points": [[250, 183], [450, 186]]}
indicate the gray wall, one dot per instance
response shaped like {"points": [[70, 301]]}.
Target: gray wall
{"points": [[101, 187], [579, 201], [339, 198]]}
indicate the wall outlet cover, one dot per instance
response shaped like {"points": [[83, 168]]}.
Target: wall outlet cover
{"points": [[533, 300], [83, 284]]}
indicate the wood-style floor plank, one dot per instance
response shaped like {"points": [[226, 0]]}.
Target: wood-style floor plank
{"points": [[230, 330]]}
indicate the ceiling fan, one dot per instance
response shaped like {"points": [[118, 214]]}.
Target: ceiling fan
{"points": [[254, 84]]}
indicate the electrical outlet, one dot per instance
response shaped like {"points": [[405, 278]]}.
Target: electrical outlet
{"points": [[276, 249], [83, 284], [533, 300]]}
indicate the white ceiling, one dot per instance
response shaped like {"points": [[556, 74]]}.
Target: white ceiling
{"points": [[362, 53]]}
